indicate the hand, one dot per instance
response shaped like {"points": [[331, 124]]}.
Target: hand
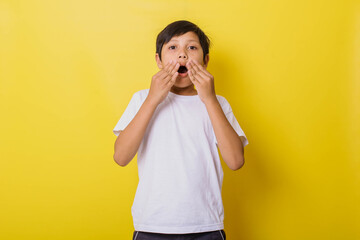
{"points": [[203, 81], [162, 82]]}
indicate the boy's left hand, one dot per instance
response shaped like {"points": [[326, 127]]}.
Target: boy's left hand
{"points": [[203, 81]]}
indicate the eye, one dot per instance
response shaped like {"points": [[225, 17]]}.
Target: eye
{"points": [[172, 47], [193, 47]]}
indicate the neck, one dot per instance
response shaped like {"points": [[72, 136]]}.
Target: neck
{"points": [[186, 91]]}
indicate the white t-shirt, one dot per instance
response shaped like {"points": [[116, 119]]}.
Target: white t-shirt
{"points": [[180, 174]]}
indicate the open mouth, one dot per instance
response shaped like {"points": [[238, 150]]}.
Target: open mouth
{"points": [[182, 69]]}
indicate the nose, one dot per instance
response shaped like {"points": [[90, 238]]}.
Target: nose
{"points": [[182, 55]]}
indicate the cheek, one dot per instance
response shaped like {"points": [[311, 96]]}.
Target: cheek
{"points": [[166, 59], [164, 62], [197, 56]]}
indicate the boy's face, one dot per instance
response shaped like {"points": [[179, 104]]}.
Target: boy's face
{"points": [[181, 49]]}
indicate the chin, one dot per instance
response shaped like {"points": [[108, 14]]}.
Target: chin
{"points": [[181, 83]]}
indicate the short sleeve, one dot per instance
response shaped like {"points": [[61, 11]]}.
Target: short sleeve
{"points": [[232, 120], [234, 123], [128, 114]]}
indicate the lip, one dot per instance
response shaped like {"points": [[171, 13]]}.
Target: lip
{"points": [[183, 74]]}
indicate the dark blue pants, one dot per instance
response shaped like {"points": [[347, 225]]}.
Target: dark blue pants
{"points": [[213, 235]]}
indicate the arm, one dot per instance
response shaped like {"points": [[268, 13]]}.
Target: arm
{"points": [[129, 140], [229, 143]]}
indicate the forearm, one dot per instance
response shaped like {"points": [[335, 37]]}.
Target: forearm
{"points": [[229, 143], [128, 141]]}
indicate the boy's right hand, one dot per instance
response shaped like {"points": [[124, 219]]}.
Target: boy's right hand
{"points": [[162, 82]]}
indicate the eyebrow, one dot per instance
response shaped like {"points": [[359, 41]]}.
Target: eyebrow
{"points": [[174, 40]]}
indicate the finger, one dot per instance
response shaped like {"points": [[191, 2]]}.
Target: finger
{"points": [[196, 63], [162, 73], [192, 77], [165, 72], [191, 68], [174, 74], [170, 66], [172, 81], [159, 73], [191, 72], [201, 68], [198, 71], [167, 65], [197, 75], [173, 70]]}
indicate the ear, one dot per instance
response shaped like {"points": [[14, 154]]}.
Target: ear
{"points": [[158, 61], [206, 61]]}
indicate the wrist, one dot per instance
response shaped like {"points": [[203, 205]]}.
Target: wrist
{"points": [[211, 100], [151, 101]]}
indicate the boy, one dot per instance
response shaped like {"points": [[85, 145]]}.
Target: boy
{"points": [[176, 129]]}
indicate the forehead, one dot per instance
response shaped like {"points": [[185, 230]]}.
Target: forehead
{"points": [[186, 37]]}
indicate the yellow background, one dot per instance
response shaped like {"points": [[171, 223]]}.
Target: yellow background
{"points": [[290, 70]]}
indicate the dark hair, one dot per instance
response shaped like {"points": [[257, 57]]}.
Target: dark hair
{"points": [[178, 28]]}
